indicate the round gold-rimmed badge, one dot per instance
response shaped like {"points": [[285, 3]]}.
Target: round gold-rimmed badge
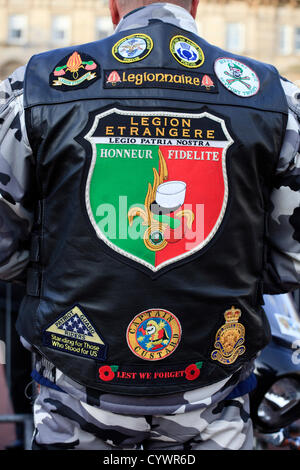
{"points": [[154, 334], [132, 48], [186, 52]]}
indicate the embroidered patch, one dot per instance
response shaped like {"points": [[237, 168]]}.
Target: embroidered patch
{"points": [[166, 78], [132, 48], [74, 71], [186, 52], [73, 333], [151, 176], [237, 77], [140, 375], [154, 334], [229, 338]]}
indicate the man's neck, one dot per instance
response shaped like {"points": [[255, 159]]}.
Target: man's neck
{"points": [[166, 12]]}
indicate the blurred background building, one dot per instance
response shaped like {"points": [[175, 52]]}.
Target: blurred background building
{"points": [[268, 30], [28, 27]]}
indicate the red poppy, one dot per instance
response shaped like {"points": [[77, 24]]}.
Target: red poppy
{"points": [[106, 373], [192, 372]]}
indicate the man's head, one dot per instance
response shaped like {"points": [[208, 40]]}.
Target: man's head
{"points": [[119, 8]]}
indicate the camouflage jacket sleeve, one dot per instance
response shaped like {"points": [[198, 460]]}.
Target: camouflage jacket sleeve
{"points": [[16, 214], [282, 273]]}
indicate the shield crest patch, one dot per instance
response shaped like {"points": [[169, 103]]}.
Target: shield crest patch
{"points": [[157, 186]]}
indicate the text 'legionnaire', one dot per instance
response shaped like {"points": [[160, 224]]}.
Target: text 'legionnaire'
{"points": [[165, 78], [141, 78]]}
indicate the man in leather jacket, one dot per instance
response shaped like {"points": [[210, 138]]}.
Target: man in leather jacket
{"points": [[156, 177]]}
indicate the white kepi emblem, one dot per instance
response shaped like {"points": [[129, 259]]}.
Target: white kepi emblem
{"points": [[171, 194]]}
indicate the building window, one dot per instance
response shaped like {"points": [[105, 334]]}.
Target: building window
{"points": [[61, 30], [104, 27], [235, 37], [17, 29], [297, 39], [285, 42]]}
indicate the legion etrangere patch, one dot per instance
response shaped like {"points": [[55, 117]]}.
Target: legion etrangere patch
{"points": [[73, 333], [157, 186], [77, 70]]}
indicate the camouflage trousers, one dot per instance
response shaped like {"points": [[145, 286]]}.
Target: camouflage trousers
{"points": [[63, 422]]}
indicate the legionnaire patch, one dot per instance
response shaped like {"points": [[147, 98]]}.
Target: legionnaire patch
{"points": [[157, 186], [78, 70], [229, 338], [237, 77], [154, 334], [156, 78], [73, 333], [132, 48], [186, 52]]}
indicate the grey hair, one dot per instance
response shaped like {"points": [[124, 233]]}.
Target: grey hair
{"points": [[138, 3]]}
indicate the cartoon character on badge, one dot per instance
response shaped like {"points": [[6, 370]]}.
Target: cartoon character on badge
{"points": [[155, 333]]}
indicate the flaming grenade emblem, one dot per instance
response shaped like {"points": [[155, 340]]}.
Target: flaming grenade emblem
{"points": [[75, 71], [162, 199]]}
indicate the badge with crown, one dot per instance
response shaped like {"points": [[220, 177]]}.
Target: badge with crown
{"points": [[229, 338]]}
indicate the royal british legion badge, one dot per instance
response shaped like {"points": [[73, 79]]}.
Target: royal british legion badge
{"points": [[229, 338]]}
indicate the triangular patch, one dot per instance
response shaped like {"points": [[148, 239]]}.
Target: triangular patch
{"points": [[73, 333]]}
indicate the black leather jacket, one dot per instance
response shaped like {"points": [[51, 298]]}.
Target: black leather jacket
{"points": [[157, 315]]}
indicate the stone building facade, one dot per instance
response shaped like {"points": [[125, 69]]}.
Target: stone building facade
{"points": [[28, 27], [268, 30]]}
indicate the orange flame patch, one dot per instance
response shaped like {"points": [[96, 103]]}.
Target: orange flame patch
{"points": [[74, 63]]}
